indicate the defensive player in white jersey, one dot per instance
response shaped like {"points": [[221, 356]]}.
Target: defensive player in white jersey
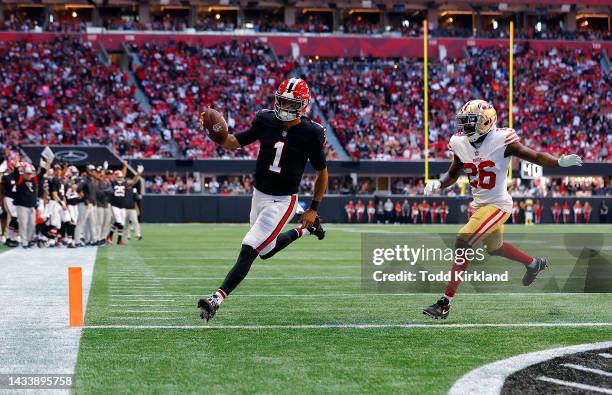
{"points": [[483, 152]]}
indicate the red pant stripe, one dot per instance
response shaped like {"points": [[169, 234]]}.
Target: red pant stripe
{"points": [[280, 225]]}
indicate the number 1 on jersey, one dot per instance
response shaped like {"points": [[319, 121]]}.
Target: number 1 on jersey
{"points": [[279, 151]]}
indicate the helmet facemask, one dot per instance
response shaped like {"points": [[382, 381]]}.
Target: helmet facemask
{"points": [[473, 125], [287, 108]]}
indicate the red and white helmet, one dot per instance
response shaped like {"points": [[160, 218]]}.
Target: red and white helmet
{"points": [[118, 174], [27, 168], [291, 99]]}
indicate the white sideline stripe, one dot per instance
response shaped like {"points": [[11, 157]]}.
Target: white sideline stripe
{"points": [[34, 333], [587, 369], [572, 384], [605, 355], [351, 326], [490, 378]]}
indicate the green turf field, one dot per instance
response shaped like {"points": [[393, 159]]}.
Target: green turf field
{"points": [[157, 281]]}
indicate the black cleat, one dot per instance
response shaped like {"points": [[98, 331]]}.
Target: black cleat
{"points": [[532, 273], [439, 309], [208, 307], [316, 229], [11, 243]]}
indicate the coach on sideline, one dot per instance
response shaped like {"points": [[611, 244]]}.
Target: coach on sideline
{"points": [[25, 201]]}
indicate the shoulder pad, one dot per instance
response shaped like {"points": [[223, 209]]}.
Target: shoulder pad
{"points": [[509, 135], [455, 138], [318, 129]]}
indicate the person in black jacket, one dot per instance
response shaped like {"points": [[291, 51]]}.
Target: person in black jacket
{"points": [[25, 200]]}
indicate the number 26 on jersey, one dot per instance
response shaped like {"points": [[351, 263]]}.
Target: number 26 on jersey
{"points": [[480, 176]]}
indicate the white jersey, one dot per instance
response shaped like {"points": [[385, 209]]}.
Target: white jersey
{"points": [[487, 167]]}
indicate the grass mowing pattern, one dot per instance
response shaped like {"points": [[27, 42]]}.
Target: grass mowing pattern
{"points": [[158, 280]]}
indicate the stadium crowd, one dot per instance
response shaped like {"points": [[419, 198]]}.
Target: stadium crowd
{"points": [[240, 78], [375, 106], [56, 204], [59, 92]]}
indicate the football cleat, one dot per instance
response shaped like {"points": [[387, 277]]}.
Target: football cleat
{"points": [[316, 229], [439, 309], [11, 243], [208, 307], [532, 273]]}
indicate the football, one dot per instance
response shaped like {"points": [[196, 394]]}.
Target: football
{"points": [[214, 125]]}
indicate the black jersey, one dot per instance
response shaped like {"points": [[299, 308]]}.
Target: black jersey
{"points": [[118, 194], [130, 198], [56, 185], [101, 193], [9, 187], [283, 153]]}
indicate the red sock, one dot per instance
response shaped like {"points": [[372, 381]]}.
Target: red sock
{"points": [[511, 252], [455, 280]]}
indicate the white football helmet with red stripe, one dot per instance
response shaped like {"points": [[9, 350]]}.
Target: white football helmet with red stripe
{"points": [[291, 99], [476, 118]]}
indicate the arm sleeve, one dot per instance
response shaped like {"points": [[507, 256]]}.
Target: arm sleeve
{"points": [[252, 134], [317, 152]]}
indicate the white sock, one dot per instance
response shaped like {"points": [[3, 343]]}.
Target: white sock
{"points": [[533, 264], [220, 296]]}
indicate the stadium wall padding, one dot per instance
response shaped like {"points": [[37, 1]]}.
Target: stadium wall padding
{"points": [[398, 168], [235, 209]]}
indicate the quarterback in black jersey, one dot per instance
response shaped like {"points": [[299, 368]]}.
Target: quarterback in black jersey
{"points": [[288, 140]]}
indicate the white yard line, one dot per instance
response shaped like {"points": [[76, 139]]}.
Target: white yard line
{"points": [[490, 378], [587, 369], [34, 330], [124, 287], [145, 311], [143, 318], [353, 326], [355, 295], [149, 300], [572, 384], [138, 305]]}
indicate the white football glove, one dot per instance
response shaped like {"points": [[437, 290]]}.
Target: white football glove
{"points": [[140, 169], [3, 167], [105, 165], [431, 187], [570, 160]]}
